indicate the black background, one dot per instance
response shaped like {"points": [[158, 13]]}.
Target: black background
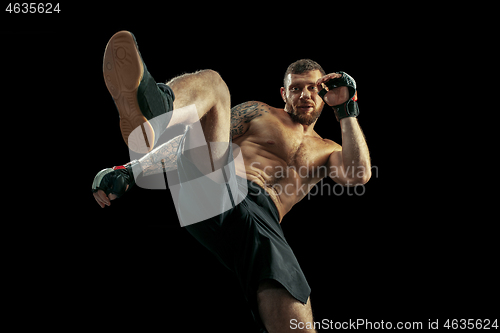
{"points": [[401, 251]]}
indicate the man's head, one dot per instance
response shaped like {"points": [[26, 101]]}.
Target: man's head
{"points": [[300, 92]]}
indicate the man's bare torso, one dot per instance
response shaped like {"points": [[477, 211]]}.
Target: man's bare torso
{"points": [[281, 158]]}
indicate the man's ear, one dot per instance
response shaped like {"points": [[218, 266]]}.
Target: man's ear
{"points": [[283, 94]]}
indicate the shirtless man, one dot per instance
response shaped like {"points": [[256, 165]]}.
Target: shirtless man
{"points": [[283, 159]]}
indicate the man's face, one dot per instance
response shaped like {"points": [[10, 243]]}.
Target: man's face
{"points": [[301, 97]]}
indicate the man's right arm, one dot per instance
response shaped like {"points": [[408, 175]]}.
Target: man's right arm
{"points": [[165, 156]]}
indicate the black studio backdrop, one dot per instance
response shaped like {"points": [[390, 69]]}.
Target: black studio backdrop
{"points": [[179, 269], [373, 254]]}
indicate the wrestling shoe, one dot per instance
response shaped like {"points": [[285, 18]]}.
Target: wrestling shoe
{"points": [[139, 100]]}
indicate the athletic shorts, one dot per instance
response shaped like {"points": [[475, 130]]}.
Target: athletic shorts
{"points": [[246, 237]]}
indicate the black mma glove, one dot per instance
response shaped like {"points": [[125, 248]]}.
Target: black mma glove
{"points": [[115, 180], [350, 107]]}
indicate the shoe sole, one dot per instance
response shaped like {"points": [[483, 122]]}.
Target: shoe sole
{"points": [[123, 70]]}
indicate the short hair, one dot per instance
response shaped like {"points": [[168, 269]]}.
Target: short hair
{"points": [[302, 66]]}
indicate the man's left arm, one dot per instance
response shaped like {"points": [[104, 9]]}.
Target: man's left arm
{"points": [[350, 164]]}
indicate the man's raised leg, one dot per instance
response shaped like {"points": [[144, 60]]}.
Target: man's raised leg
{"points": [[142, 105], [210, 94]]}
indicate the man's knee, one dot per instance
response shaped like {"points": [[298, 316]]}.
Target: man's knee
{"points": [[205, 87], [279, 309], [219, 88], [210, 74], [268, 285]]}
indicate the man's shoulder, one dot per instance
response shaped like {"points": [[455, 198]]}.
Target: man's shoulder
{"points": [[248, 111], [243, 114], [251, 107]]}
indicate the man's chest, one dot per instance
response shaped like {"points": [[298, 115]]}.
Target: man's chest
{"points": [[288, 143], [311, 153]]}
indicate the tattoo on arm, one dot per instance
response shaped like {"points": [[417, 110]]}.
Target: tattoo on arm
{"points": [[242, 114], [152, 163]]}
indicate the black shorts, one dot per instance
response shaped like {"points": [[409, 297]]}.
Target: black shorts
{"points": [[247, 238]]}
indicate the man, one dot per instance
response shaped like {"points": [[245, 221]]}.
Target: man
{"points": [[283, 158]]}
